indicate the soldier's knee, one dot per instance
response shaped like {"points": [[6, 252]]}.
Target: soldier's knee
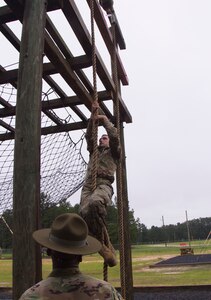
{"points": [[98, 208]]}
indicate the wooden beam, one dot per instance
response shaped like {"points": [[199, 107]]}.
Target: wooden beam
{"points": [[8, 76], [26, 255], [7, 136], [119, 35], [67, 53], [58, 90], [7, 126], [6, 15], [7, 12], [7, 112], [76, 62], [11, 37], [66, 71], [50, 130], [4, 102], [107, 37], [74, 18], [12, 78], [54, 104], [53, 117], [48, 69], [64, 128], [10, 110], [16, 7], [123, 206]]}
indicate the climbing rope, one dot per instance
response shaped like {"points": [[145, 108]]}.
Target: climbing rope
{"points": [[119, 166], [95, 104], [108, 6], [7, 225], [95, 108]]}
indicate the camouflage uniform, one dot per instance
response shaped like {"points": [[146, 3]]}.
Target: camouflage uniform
{"points": [[71, 284], [94, 203]]}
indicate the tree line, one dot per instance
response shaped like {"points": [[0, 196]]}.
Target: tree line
{"points": [[49, 211], [139, 233]]}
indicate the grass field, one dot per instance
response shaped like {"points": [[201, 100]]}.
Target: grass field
{"points": [[142, 257]]}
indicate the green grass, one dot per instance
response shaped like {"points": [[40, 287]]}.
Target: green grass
{"points": [[142, 257], [6, 273]]}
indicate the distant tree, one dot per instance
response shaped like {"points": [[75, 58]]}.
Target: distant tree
{"points": [[139, 233], [143, 236], [113, 229], [200, 228], [155, 234], [6, 226], [170, 233], [134, 227], [112, 223], [50, 210]]}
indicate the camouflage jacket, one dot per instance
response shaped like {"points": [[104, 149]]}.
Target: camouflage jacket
{"points": [[71, 284], [107, 157]]}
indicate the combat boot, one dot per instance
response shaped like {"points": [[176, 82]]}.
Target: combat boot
{"points": [[109, 255]]}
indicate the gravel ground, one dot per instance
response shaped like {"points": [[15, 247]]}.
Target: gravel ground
{"points": [[162, 293], [177, 293], [156, 293], [5, 294], [196, 259]]}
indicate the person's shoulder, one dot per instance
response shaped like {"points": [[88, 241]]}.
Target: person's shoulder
{"points": [[94, 282], [103, 288], [34, 291], [89, 278], [82, 286], [30, 294]]}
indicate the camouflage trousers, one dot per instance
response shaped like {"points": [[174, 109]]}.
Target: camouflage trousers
{"points": [[93, 209]]}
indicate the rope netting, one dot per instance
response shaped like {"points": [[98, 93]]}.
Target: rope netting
{"points": [[63, 166]]}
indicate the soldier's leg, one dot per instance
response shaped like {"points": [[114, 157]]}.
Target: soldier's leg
{"points": [[107, 251], [93, 209]]}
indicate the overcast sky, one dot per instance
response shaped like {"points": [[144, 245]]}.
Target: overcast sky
{"points": [[168, 61], [168, 145]]}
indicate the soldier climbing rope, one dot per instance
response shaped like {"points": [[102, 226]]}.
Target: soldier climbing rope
{"points": [[103, 160]]}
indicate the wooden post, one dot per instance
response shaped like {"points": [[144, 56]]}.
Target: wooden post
{"points": [[126, 223], [26, 194], [126, 275]]}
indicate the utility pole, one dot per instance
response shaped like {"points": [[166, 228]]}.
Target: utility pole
{"points": [[188, 229], [164, 230]]}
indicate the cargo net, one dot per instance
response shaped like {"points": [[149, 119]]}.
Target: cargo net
{"points": [[62, 164]]}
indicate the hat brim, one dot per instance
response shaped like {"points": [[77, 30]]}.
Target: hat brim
{"points": [[42, 237]]}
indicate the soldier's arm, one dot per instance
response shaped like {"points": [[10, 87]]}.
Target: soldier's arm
{"points": [[114, 141], [89, 137], [89, 131]]}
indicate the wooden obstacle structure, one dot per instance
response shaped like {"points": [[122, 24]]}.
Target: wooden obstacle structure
{"points": [[44, 57]]}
